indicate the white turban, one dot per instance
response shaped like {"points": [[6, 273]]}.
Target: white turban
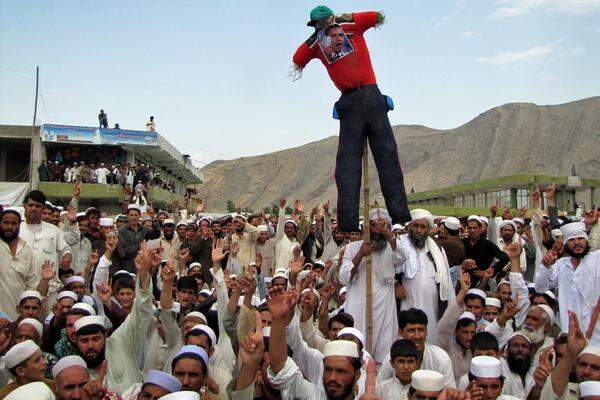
{"points": [[419, 213], [376, 213]]}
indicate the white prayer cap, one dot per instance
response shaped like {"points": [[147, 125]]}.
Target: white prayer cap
{"points": [[589, 388], [506, 397], [452, 223], [81, 214], [493, 302], [486, 367], [344, 348], [66, 293], [318, 262], [194, 264], [35, 323], [89, 321], [550, 294], [185, 395], [466, 315], [106, 222], [549, 312], [73, 279], [397, 227], [574, 230], [206, 292], [120, 272], [66, 362], [208, 331], [19, 353], [427, 380], [266, 331], [506, 222], [595, 351], [262, 228], [196, 314], [517, 220], [382, 213], [291, 221], [314, 291], [267, 279], [85, 307], [181, 223], [34, 390], [232, 276], [281, 273], [48, 203], [192, 349], [354, 332], [521, 333], [255, 302], [342, 291], [30, 294], [419, 213], [133, 207], [474, 218], [168, 221], [164, 380], [556, 233], [477, 292]]}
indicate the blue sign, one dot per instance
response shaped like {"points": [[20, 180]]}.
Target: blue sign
{"points": [[88, 135], [125, 136], [70, 134]]}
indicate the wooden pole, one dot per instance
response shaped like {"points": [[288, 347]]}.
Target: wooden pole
{"points": [[33, 136], [367, 238]]}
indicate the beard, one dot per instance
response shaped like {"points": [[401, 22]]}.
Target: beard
{"points": [[536, 336], [578, 255], [169, 236], [10, 237], [93, 361], [418, 240], [517, 364], [345, 393], [378, 242]]}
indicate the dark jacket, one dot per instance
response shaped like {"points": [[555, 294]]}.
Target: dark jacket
{"points": [[128, 245]]}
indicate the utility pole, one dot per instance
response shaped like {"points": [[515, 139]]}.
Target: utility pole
{"points": [[31, 164]]}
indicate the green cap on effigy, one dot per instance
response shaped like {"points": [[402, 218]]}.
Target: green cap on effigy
{"points": [[318, 13]]}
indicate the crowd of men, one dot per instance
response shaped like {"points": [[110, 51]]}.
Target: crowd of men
{"points": [[133, 177], [174, 305]]}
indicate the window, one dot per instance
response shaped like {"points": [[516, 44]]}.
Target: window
{"points": [[480, 200], [501, 197], [522, 198]]}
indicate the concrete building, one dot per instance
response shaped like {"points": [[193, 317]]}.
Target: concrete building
{"points": [[512, 191], [22, 150]]}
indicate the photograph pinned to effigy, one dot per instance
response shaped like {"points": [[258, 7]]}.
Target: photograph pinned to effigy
{"points": [[334, 43]]}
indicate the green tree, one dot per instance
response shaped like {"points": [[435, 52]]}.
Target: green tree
{"points": [[267, 210], [289, 210], [230, 206], [275, 209]]}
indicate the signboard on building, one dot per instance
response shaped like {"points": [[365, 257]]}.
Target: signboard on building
{"points": [[88, 135], [70, 134]]}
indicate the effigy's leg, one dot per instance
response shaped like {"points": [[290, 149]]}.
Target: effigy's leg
{"points": [[385, 153], [348, 165]]}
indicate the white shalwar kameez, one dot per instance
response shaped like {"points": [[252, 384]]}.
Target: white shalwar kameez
{"points": [[385, 319]]}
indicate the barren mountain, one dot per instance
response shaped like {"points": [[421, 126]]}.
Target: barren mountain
{"points": [[509, 139]]}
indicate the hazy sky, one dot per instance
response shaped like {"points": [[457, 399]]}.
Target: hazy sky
{"points": [[213, 73]]}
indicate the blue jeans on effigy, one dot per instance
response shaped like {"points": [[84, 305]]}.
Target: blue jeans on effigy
{"points": [[363, 114]]}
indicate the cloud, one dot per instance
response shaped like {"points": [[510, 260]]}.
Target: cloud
{"points": [[471, 34], [534, 54], [516, 8], [442, 21]]}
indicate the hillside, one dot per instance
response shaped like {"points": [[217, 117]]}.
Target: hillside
{"points": [[509, 139]]}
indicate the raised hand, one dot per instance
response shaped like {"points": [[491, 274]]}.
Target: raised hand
{"points": [[465, 282], [282, 202], [252, 346], [506, 214], [399, 291], [543, 371], [370, 382], [297, 265], [494, 210], [475, 391], [110, 244], [326, 208], [549, 259], [94, 258], [536, 195], [218, 254], [454, 394], [591, 218], [278, 304], [235, 248], [468, 264], [76, 190], [575, 339], [365, 248], [95, 389], [298, 206], [104, 292], [48, 272], [509, 310], [71, 214], [169, 271], [143, 261], [550, 192], [513, 250]]}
